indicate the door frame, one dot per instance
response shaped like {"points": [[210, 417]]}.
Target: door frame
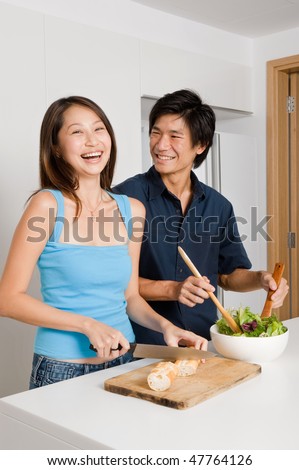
{"points": [[277, 174]]}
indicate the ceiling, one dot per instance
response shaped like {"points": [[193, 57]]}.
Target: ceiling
{"points": [[250, 18]]}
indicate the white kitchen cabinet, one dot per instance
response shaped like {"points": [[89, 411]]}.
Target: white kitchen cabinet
{"points": [[103, 66], [221, 83], [22, 102]]}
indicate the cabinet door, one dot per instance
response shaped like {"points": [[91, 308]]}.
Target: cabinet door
{"points": [[103, 66], [164, 69], [22, 100]]}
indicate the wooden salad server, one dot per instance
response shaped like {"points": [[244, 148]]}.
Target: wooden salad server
{"points": [[277, 275], [231, 322]]}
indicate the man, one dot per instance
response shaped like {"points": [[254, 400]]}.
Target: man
{"points": [[181, 211]]}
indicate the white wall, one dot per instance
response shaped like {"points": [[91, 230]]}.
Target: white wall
{"points": [[106, 52]]}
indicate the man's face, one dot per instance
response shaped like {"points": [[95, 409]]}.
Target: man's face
{"points": [[171, 146]]}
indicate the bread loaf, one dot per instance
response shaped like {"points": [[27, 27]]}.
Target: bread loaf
{"points": [[186, 367], [162, 375]]}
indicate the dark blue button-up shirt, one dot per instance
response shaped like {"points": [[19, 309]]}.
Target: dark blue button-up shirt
{"points": [[207, 232]]}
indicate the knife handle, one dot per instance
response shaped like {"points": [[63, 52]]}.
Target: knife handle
{"points": [[132, 347]]}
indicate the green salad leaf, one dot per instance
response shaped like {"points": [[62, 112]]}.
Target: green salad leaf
{"points": [[251, 324]]}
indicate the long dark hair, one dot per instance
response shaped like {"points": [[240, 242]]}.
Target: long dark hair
{"points": [[199, 117], [56, 173]]}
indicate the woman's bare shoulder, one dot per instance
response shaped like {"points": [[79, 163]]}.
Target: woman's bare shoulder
{"points": [[41, 201], [138, 209]]}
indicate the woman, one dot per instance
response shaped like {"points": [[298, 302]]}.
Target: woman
{"points": [[86, 245]]}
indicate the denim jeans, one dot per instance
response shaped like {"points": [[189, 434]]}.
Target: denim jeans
{"points": [[46, 371]]}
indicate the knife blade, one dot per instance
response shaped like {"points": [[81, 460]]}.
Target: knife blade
{"points": [[165, 352]]}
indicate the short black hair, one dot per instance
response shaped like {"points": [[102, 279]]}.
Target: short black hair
{"points": [[199, 117]]}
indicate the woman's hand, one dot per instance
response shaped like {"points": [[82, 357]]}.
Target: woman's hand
{"points": [[109, 342], [193, 290], [267, 282], [174, 336]]}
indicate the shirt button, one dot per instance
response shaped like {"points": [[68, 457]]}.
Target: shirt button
{"points": [[180, 270], [178, 211]]}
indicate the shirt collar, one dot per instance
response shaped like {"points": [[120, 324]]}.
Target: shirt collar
{"points": [[156, 185]]}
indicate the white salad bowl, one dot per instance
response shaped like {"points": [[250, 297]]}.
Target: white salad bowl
{"points": [[249, 349]]}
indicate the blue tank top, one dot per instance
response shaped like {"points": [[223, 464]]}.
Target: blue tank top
{"points": [[83, 279]]}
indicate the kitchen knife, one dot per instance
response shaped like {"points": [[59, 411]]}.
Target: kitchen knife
{"points": [[165, 352]]}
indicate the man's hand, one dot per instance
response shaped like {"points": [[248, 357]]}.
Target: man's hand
{"points": [[280, 293], [193, 290]]}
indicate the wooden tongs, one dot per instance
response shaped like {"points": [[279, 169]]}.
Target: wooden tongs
{"points": [[277, 275], [231, 322]]}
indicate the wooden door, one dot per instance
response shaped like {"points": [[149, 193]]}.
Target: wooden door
{"points": [[283, 173], [294, 193]]}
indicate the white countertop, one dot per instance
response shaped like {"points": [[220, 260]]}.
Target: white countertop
{"points": [[262, 413]]}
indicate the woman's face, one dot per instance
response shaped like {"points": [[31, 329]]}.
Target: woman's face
{"points": [[83, 141]]}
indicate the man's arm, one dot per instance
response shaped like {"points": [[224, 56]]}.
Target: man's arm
{"points": [[193, 291], [190, 292], [242, 280], [157, 290]]}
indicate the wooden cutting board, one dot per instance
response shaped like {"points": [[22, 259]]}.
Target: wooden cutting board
{"points": [[213, 377]]}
